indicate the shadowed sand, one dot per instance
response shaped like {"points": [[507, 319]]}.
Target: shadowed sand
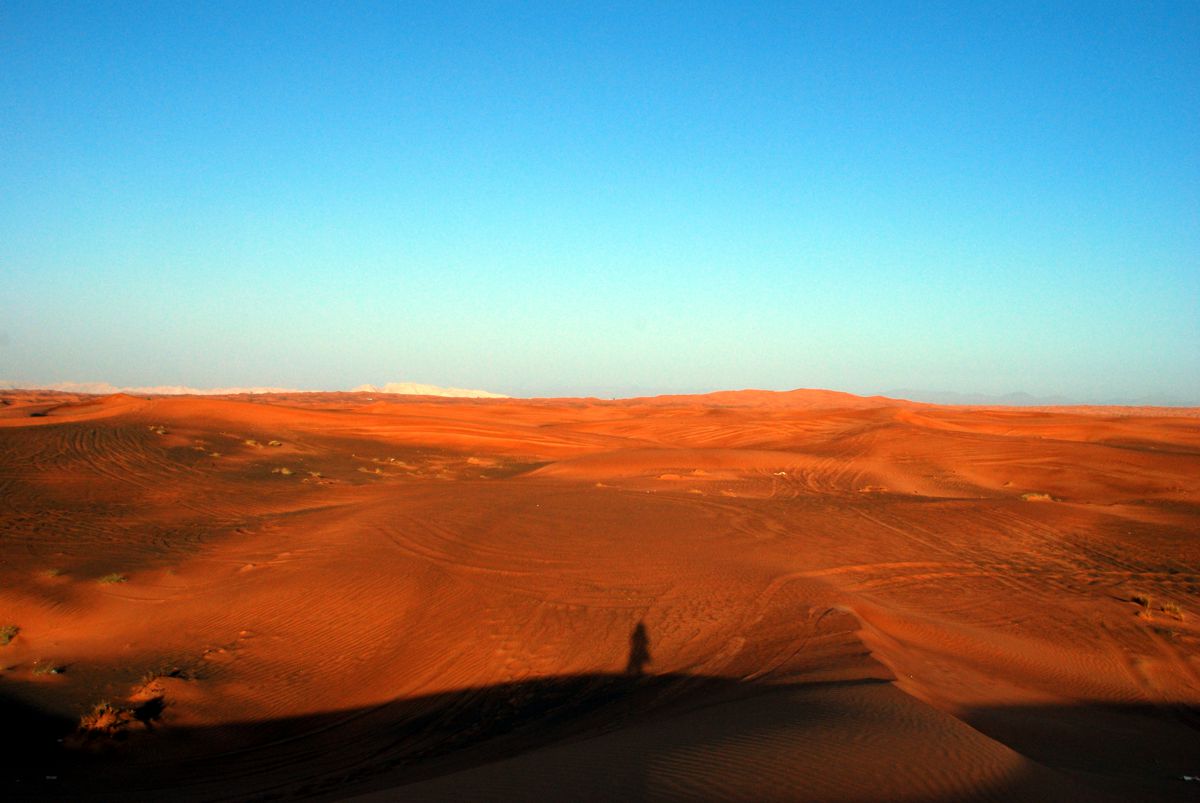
{"points": [[756, 596]]}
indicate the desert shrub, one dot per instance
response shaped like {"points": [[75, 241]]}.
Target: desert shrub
{"points": [[8, 633], [104, 717], [115, 577]]}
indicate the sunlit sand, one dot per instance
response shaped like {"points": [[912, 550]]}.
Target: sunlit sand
{"points": [[753, 596]]}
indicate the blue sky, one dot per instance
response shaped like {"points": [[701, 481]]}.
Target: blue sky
{"points": [[603, 198]]}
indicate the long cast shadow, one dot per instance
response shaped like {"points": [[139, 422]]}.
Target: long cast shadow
{"points": [[463, 734]]}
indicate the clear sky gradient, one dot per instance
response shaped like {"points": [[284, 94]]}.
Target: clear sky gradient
{"points": [[603, 199]]}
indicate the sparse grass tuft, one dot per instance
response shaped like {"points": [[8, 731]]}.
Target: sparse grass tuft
{"points": [[1035, 497], [252, 442], [1172, 609], [284, 470], [275, 443], [8, 633], [47, 668], [1144, 603], [163, 671], [115, 577], [56, 572]]}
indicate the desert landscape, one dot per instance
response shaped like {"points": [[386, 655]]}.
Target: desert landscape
{"points": [[625, 401], [750, 595]]}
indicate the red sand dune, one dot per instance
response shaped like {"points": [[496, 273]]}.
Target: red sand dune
{"points": [[746, 595]]}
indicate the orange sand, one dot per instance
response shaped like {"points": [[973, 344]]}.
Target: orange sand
{"points": [[839, 598]]}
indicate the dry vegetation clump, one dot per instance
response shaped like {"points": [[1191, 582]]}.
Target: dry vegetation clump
{"points": [[1147, 606], [252, 442], [1037, 497], [158, 429], [41, 667], [274, 443], [104, 719], [284, 470], [8, 633], [115, 577], [152, 676]]}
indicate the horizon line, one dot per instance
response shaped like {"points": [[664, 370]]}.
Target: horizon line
{"points": [[1017, 399]]}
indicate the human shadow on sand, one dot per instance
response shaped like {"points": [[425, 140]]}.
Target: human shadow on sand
{"points": [[639, 651]]}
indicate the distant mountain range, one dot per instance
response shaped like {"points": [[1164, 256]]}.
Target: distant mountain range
{"points": [[733, 398], [106, 388], [1027, 399], [416, 389]]}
